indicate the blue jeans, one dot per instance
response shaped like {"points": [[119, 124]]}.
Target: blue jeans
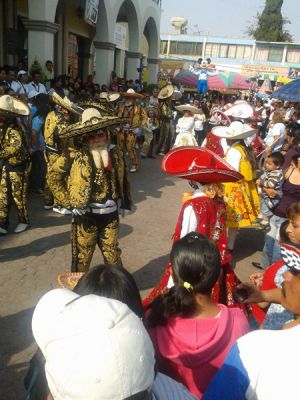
{"points": [[264, 209], [202, 86], [271, 251]]}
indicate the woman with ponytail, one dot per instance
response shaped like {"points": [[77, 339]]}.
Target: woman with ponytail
{"points": [[190, 332]]}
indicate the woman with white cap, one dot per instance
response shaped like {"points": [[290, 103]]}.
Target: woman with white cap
{"points": [[241, 197]]}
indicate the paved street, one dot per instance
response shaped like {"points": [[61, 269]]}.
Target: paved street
{"points": [[31, 261]]}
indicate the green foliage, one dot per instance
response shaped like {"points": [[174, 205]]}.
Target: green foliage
{"points": [[269, 24], [36, 67], [151, 86]]}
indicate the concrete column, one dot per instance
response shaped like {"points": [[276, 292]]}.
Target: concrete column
{"points": [[119, 62], [203, 47], [253, 53], [133, 62], [152, 70], [40, 40], [105, 52], [9, 23], [284, 55], [60, 45]]}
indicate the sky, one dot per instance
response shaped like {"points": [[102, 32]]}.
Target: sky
{"points": [[224, 17]]}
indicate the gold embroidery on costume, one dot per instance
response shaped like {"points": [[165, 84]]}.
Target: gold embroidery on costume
{"points": [[80, 181], [58, 160], [14, 172]]}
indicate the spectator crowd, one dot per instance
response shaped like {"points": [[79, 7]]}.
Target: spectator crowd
{"points": [[192, 338]]}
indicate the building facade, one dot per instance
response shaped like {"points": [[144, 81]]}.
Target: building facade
{"points": [[250, 57], [80, 36]]}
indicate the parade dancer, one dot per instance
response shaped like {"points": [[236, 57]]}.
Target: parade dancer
{"points": [[204, 212], [57, 154], [137, 120], [242, 201], [14, 163], [97, 184], [165, 137], [185, 126]]}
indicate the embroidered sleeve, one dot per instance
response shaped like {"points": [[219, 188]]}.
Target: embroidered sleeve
{"points": [[12, 146]]}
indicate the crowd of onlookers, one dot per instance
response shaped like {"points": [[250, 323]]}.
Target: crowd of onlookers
{"points": [[99, 342], [19, 82]]}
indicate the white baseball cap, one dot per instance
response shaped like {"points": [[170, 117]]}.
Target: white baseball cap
{"points": [[22, 72], [95, 348]]}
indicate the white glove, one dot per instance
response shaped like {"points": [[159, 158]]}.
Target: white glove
{"points": [[79, 211]]}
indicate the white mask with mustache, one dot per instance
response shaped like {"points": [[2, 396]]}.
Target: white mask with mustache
{"points": [[100, 155]]}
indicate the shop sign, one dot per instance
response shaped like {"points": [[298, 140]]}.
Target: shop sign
{"points": [[120, 36], [294, 72], [91, 11], [255, 70]]}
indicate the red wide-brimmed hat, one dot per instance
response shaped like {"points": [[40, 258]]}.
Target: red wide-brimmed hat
{"points": [[290, 254], [200, 165]]}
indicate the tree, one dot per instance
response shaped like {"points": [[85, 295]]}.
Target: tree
{"points": [[36, 67], [269, 24]]}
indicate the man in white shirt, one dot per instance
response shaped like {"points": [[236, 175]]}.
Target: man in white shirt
{"points": [[36, 84], [19, 86], [263, 365]]}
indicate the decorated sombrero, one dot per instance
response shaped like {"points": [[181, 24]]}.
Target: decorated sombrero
{"points": [[166, 92], [199, 164], [91, 121], [92, 103], [9, 106], [132, 94], [176, 94], [65, 103], [109, 97], [291, 257], [155, 110], [188, 107], [236, 131], [69, 279], [240, 110], [219, 118]]}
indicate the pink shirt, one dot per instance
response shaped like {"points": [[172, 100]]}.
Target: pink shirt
{"points": [[191, 350]]}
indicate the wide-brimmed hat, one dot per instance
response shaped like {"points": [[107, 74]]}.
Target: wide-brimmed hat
{"points": [[13, 107], [65, 103], [176, 94], [109, 97], [91, 121], [291, 256], [189, 107], [155, 110], [237, 130], [199, 164], [92, 103], [240, 110], [219, 118], [132, 94], [69, 280], [166, 92]]}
